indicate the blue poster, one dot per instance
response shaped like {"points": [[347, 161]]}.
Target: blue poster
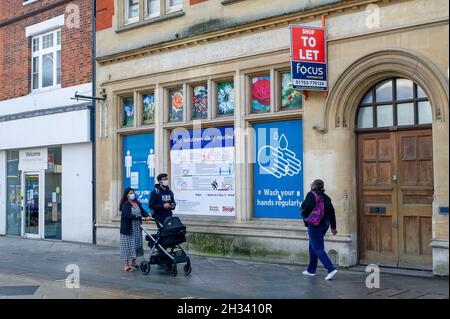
{"points": [[139, 165], [278, 169]]}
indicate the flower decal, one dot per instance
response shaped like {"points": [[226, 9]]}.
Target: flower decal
{"points": [[176, 106], [200, 102], [261, 94], [225, 98]]}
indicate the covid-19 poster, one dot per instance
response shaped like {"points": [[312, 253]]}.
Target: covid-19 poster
{"points": [[278, 169], [139, 165], [202, 171]]}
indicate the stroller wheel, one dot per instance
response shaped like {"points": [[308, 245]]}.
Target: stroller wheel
{"points": [[174, 271], [145, 267], [168, 268], [187, 268]]}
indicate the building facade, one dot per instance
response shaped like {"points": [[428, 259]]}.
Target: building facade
{"points": [[203, 90], [45, 136]]}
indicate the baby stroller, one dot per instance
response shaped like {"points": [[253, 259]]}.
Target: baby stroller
{"points": [[166, 251]]}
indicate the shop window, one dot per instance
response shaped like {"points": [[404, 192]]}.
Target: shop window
{"points": [[46, 60], [13, 194], [260, 93], [394, 103], [225, 98], [176, 105], [148, 108], [128, 110], [53, 194], [290, 98], [199, 102], [151, 9]]}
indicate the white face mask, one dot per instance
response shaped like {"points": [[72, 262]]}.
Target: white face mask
{"points": [[165, 183]]}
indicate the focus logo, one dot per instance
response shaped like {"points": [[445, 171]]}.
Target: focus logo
{"points": [[227, 209]]}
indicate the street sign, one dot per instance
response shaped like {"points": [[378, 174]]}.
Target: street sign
{"points": [[309, 58]]}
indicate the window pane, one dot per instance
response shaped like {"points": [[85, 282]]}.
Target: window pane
{"points": [[58, 67], [148, 103], [425, 114], [405, 89], [368, 99], [384, 92], [405, 114], [421, 93], [290, 98], [47, 41], [385, 116], [47, 70], [200, 102], [176, 105], [53, 193], [172, 3], [35, 44], [261, 94], [225, 98], [365, 117], [58, 38], [13, 196], [35, 68], [128, 111], [133, 8], [153, 8]]}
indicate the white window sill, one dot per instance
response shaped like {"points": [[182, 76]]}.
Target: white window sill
{"points": [[46, 89], [28, 2]]}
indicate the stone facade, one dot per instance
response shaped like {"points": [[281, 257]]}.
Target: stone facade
{"points": [[367, 41]]}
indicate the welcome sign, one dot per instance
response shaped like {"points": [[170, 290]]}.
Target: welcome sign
{"points": [[33, 160]]}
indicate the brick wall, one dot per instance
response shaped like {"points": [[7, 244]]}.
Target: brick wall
{"points": [[15, 51], [105, 13]]}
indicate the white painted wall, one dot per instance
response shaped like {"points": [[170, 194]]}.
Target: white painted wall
{"points": [[2, 193], [77, 192], [44, 99], [55, 129]]}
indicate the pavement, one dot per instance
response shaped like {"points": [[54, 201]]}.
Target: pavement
{"points": [[36, 269]]}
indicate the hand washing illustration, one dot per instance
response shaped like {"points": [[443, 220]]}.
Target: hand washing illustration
{"points": [[278, 161]]}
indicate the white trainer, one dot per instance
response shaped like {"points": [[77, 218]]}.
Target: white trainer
{"points": [[307, 273], [331, 275]]}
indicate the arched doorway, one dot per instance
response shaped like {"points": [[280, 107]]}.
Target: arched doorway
{"points": [[395, 175]]}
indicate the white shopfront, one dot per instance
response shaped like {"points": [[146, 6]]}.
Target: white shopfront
{"points": [[46, 168]]}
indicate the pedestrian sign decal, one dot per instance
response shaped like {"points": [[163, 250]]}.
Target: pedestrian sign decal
{"points": [[309, 58]]}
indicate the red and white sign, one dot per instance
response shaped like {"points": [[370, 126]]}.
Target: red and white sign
{"points": [[308, 44]]}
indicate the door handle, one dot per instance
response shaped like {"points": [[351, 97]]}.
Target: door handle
{"points": [[394, 178]]}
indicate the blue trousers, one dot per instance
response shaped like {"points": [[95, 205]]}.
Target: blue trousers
{"points": [[316, 236]]}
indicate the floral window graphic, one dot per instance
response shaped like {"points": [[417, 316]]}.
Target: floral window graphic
{"points": [[200, 102], [128, 111], [225, 98], [176, 105], [290, 98], [148, 103], [261, 94]]}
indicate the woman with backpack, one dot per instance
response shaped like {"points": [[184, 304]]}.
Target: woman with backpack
{"points": [[318, 215], [132, 215]]}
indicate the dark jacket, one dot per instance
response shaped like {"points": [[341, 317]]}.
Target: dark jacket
{"points": [[127, 217], [158, 198], [309, 204]]}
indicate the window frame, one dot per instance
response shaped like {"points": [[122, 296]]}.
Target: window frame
{"points": [[40, 53], [164, 10], [395, 102]]}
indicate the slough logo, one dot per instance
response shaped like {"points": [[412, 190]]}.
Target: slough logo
{"points": [[228, 209]]}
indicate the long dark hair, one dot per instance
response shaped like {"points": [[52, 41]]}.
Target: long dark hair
{"points": [[318, 184], [125, 196]]}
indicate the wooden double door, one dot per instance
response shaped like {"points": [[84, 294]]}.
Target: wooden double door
{"points": [[395, 198]]}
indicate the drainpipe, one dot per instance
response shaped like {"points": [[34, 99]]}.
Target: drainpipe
{"points": [[94, 171]]}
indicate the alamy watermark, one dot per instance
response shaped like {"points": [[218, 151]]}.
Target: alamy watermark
{"points": [[73, 279], [373, 279]]}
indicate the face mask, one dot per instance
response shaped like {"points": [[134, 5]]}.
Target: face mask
{"points": [[165, 183], [131, 196]]}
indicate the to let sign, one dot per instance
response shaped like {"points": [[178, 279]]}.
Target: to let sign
{"points": [[309, 58]]}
